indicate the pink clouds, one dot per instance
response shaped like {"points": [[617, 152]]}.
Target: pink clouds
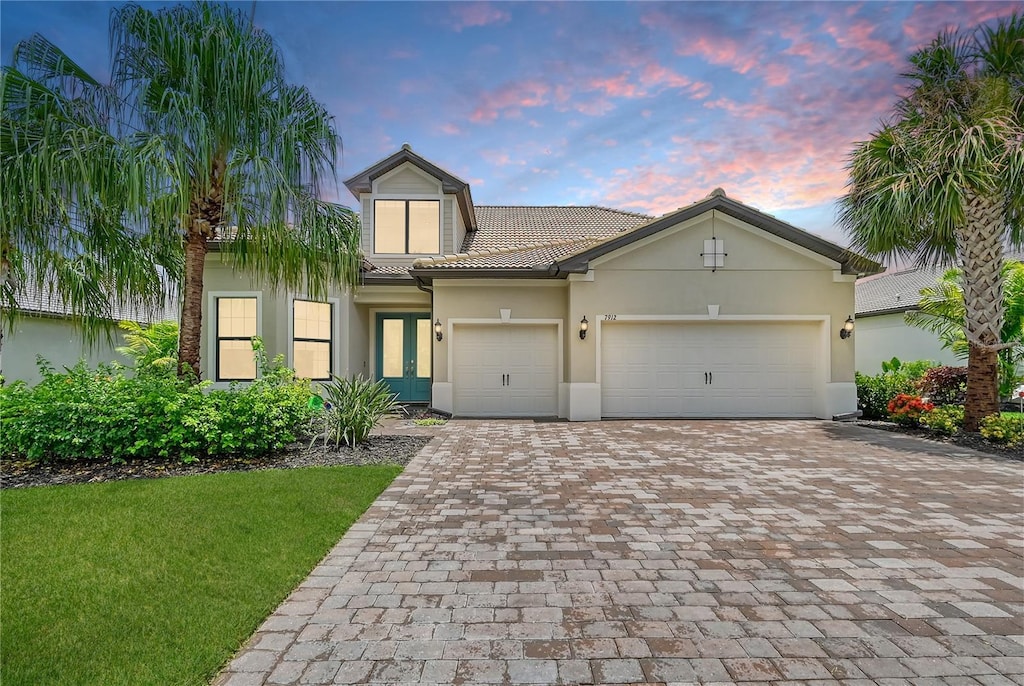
{"points": [[470, 15], [510, 99]]}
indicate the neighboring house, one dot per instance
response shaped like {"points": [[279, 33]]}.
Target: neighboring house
{"points": [[882, 332], [715, 310], [45, 328]]}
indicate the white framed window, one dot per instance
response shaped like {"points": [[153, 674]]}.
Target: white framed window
{"points": [[406, 227], [312, 339], [236, 321]]}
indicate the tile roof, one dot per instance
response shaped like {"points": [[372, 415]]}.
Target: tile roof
{"points": [[894, 291], [515, 257], [899, 290], [39, 301], [503, 226]]}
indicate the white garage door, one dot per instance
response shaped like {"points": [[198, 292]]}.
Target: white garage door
{"points": [[710, 370], [505, 370]]}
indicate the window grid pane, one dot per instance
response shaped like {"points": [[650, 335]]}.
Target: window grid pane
{"points": [[312, 320], [236, 361], [389, 226], [424, 226], [312, 360], [236, 317]]}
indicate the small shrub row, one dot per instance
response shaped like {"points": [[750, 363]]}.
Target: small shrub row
{"points": [[875, 392], [906, 409], [103, 414], [948, 419], [1008, 430]]}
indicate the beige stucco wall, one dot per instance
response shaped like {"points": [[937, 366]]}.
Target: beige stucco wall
{"points": [[664, 275], [275, 310], [57, 340], [485, 298]]}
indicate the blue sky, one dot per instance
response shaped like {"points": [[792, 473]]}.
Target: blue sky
{"points": [[639, 106]]}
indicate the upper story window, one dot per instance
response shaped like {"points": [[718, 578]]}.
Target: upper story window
{"points": [[407, 227], [312, 344], [236, 325]]}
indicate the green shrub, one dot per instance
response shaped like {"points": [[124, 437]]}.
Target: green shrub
{"points": [[875, 392], [948, 419], [154, 348], [101, 414], [1003, 429], [356, 406]]}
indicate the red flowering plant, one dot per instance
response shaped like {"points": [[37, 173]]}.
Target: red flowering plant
{"points": [[907, 409]]}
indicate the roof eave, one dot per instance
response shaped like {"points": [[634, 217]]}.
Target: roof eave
{"points": [[538, 272]]}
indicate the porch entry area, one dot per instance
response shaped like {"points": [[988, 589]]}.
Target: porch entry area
{"points": [[404, 341]]}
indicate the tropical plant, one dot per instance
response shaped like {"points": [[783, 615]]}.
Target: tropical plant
{"points": [[943, 181], [944, 385], [907, 409], [944, 420], [1004, 428], [154, 348], [941, 311], [207, 144], [875, 392], [67, 216], [356, 406]]}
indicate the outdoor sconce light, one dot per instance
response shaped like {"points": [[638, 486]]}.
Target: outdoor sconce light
{"points": [[584, 325], [847, 329], [437, 330]]}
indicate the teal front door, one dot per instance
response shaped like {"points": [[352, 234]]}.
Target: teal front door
{"points": [[403, 354]]}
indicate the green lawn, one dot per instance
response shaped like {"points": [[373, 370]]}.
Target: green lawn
{"points": [[160, 581]]}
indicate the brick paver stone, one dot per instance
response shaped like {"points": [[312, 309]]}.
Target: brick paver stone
{"points": [[515, 552]]}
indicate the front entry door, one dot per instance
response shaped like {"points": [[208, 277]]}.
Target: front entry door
{"points": [[403, 354]]}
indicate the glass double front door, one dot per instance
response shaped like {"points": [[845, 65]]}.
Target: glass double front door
{"points": [[403, 353]]}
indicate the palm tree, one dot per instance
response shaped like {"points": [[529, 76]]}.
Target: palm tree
{"points": [[214, 145], [941, 311], [65, 215], [943, 181]]}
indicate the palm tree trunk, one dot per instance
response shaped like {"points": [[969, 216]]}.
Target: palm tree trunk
{"points": [[192, 305], [980, 246]]}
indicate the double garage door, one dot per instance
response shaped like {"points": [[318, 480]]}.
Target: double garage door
{"points": [[720, 369], [647, 369]]}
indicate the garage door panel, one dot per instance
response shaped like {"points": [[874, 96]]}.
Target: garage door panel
{"points": [[505, 370], [757, 369]]}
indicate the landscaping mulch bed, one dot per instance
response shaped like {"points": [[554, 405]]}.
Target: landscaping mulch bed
{"points": [[973, 441], [376, 450]]}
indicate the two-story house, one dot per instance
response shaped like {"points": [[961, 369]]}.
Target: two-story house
{"points": [[714, 310]]}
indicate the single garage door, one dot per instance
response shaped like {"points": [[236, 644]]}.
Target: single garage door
{"points": [[505, 370], [721, 369]]}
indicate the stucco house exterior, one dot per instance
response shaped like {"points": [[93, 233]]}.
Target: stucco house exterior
{"points": [[714, 310], [882, 332], [45, 328]]}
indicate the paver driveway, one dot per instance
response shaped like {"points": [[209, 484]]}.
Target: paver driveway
{"points": [[653, 552]]}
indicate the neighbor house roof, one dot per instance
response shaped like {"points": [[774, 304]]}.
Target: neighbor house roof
{"points": [[503, 226], [572, 254], [898, 291], [31, 299]]}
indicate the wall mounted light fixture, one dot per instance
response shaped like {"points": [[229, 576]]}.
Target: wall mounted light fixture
{"points": [[584, 325], [437, 330], [847, 329]]}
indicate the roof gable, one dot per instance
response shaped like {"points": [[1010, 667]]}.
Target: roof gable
{"points": [[363, 181], [851, 262]]}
